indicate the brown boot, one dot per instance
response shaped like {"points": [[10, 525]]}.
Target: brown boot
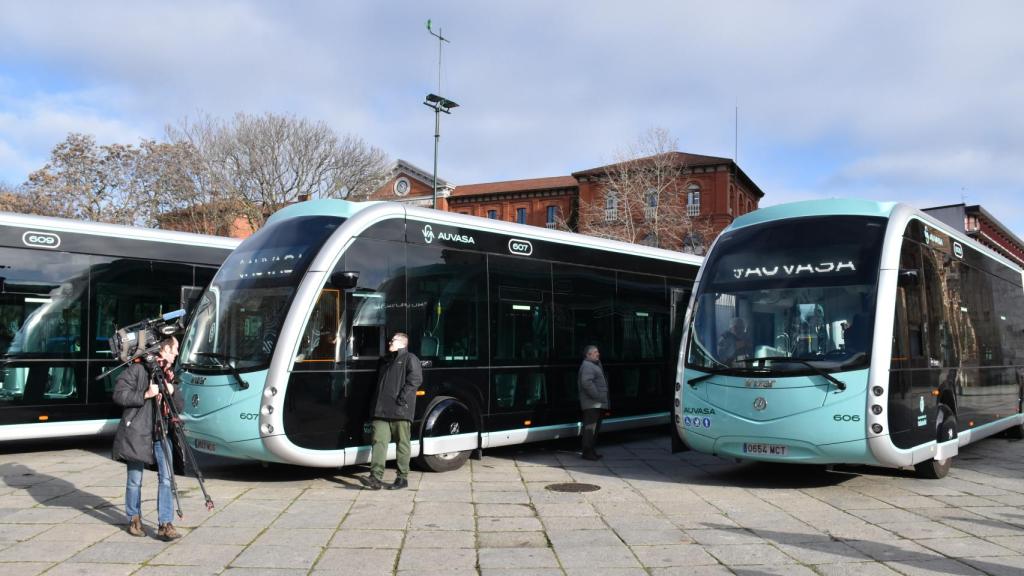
{"points": [[135, 527], [167, 532]]}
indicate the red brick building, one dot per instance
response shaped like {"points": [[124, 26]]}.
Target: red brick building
{"points": [[983, 227], [714, 189], [411, 184]]}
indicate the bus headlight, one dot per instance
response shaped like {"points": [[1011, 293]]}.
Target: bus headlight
{"points": [[877, 409], [878, 390], [268, 429], [268, 410], [876, 428]]}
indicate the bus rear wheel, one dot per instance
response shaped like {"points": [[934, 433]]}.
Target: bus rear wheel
{"points": [[447, 416], [933, 469]]}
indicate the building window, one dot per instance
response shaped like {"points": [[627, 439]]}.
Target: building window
{"points": [[552, 214], [693, 200], [521, 215], [650, 204], [492, 214], [611, 207]]}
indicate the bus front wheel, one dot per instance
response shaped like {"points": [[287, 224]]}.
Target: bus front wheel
{"points": [[447, 417], [933, 469]]}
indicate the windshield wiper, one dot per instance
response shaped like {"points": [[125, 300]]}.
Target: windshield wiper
{"points": [[839, 383], [229, 363]]}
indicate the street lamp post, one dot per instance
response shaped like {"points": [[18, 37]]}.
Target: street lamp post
{"points": [[438, 104]]}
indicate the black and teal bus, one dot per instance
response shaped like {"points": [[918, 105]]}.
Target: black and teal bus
{"points": [[280, 358], [847, 331], [65, 286]]}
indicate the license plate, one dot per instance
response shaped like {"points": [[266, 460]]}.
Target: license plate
{"points": [[769, 449], [204, 445]]}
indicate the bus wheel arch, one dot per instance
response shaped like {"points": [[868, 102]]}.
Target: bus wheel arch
{"points": [[1017, 431], [447, 416], [945, 431]]}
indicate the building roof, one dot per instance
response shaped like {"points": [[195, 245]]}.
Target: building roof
{"points": [[687, 160], [409, 169], [515, 186]]}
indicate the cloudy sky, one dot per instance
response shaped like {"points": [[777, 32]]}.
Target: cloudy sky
{"points": [[911, 101]]}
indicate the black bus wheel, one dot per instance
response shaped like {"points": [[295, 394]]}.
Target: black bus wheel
{"points": [[445, 462], [933, 469], [447, 416]]}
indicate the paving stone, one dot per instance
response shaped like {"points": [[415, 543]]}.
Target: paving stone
{"points": [[446, 539], [710, 570], [714, 537], [776, 570], [294, 537], [90, 569], [516, 572], [357, 561], [367, 539], [823, 553], [640, 537], [222, 535], [964, 547], [191, 554], [594, 557], [40, 551], [998, 565], [583, 538], [277, 557], [23, 568], [425, 559], [152, 570], [673, 555], [856, 569], [512, 540], [117, 552], [894, 550], [933, 567], [517, 558], [505, 510], [508, 524], [922, 529], [747, 554]]}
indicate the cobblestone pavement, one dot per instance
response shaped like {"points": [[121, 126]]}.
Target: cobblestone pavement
{"points": [[655, 513]]}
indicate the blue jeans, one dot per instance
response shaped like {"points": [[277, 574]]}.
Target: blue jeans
{"points": [[133, 490]]}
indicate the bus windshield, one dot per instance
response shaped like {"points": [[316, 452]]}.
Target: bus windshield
{"points": [[237, 321], [791, 296]]}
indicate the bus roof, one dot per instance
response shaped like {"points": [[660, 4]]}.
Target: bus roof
{"points": [[51, 224], [828, 207], [383, 210]]}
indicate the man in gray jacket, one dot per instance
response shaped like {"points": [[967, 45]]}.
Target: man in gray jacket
{"points": [[593, 387]]}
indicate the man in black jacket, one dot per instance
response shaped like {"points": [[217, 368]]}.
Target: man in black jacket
{"points": [[137, 443], [394, 404]]}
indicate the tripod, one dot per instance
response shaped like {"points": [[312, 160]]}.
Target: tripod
{"points": [[168, 417]]}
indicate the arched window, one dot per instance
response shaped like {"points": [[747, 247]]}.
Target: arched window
{"points": [[693, 200]]}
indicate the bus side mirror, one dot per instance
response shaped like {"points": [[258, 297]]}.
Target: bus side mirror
{"points": [[190, 297], [345, 280], [908, 277]]}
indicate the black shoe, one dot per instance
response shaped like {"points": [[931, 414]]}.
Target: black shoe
{"points": [[592, 456], [373, 483], [399, 484]]}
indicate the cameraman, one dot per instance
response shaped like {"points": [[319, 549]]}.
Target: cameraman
{"points": [[138, 441]]}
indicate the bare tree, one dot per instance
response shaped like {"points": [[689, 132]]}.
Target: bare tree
{"points": [[89, 182], [265, 162], [643, 199]]}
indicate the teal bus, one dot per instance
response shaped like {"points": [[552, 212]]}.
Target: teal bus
{"points": [[850, 332], [279, 360]]}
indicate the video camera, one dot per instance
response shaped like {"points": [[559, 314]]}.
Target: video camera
{"points": [[142, 338]]}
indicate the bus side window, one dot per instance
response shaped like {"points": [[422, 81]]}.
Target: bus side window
{"points": [[320, 337]]}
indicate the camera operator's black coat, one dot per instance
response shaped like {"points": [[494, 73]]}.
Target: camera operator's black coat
{"points": [[134, 439], [398, 378]]}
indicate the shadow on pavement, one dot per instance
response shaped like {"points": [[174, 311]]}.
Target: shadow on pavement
{"points": [[57, 492], [855, 550]]}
